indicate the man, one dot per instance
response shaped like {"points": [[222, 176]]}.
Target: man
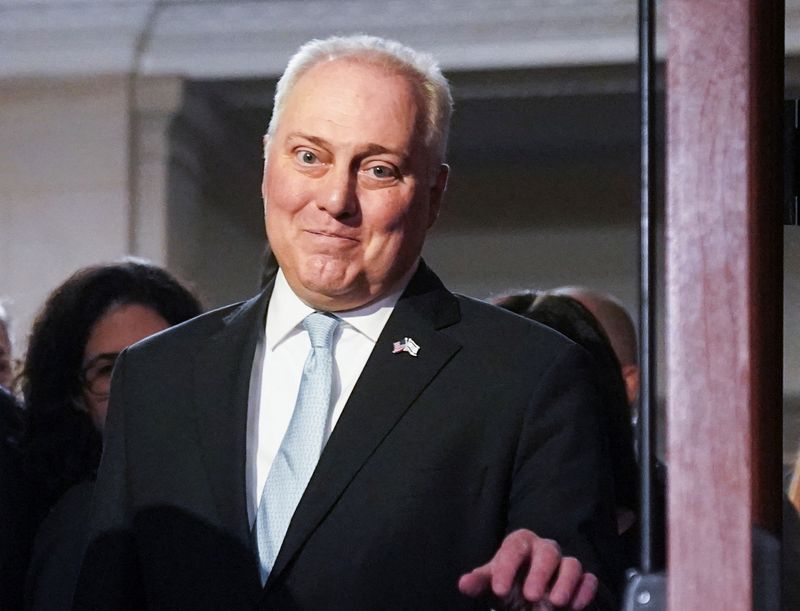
{"points": [[449, 443], [618, 325], [619, 328]]}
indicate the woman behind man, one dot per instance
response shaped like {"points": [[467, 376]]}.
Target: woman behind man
{"points": [[84, 324]]}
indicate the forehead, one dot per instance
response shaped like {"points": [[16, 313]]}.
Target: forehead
{"points": [[365, 100], [121, 326]]}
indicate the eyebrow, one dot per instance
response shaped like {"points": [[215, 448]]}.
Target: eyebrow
{"points": [[371, 148], [315, 139], [110, 356]]}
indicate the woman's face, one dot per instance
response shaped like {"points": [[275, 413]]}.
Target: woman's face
{"points": [[117, 329]]}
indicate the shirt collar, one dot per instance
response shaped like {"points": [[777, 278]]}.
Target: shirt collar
{"points": [[286, 311]]}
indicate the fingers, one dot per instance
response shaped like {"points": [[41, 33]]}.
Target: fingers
{"points": [[476, 582], [585, 593], [569, 577], [524, 559], [573, 589], [528, 569], [515, 555], [543, 565], [499, 573]]}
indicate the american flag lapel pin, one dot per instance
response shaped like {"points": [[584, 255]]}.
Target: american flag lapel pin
{"points": [[407, 345]]}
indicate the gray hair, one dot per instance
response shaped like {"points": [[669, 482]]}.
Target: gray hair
{"points": [[419, 68]]}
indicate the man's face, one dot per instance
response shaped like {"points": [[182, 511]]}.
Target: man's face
{"points": [[348, 189]]}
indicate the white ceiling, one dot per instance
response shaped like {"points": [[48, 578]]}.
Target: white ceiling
{"points": [[210, 39], [238, 39]]}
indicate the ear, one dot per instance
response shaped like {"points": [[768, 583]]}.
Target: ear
{"points": [[630, 373], [437, 193]]}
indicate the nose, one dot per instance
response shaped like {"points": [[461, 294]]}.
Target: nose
{"points": [[337, 194]]}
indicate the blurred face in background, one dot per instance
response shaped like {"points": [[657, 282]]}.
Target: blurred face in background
{"points": [[118, 328], [6, 369]]}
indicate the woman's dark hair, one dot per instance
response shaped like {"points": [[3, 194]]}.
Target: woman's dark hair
{"points": [[570, 318], [62, 447]]}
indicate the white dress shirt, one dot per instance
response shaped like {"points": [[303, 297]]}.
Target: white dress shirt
{"points": [[278, 367]]}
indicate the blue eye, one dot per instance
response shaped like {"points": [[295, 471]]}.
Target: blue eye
{"points": [[382, 171], [307, 157]]}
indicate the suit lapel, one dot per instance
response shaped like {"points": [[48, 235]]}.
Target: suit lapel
{"points": [[222, 382], [386, 388]]}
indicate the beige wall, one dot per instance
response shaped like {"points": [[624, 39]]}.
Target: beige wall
{"points": [[64, 197]]}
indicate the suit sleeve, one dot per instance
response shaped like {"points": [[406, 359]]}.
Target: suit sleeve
{"points": [[109, 575], [562, 485]]}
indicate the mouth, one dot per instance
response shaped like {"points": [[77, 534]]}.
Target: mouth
{"points": [[331, 235]]}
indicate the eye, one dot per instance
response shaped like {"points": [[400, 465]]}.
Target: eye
{"points": [[101, 369], [306, 157], [382, 172], [105, 370]]}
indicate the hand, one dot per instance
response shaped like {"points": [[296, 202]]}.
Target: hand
{"points": [[529, 573]]}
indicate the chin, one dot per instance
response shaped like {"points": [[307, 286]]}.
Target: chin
{"points": [[328, 291], [326, 274]]}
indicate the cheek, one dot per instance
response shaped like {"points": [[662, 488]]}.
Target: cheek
{"points": [[394, 236], [97, 409], [392, 212], [408, 222], [277, 208], [285, 188], [284, 204]]}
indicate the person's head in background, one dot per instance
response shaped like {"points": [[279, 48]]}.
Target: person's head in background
{"points": [[618, 326], [82, 327], [570, 318], [6, 367]]}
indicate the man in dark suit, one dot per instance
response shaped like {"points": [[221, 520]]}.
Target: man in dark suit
{"points": [[453, 435]]}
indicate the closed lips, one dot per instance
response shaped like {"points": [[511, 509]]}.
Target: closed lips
{"points": [[326, 234]]}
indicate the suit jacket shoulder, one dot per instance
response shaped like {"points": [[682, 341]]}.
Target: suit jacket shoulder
{"points": [[191, 334]]}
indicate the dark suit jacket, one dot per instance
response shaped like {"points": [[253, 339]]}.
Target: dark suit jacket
{"points": [[57, 551], [492, 427]]}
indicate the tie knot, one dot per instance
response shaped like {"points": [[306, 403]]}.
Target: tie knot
{"points": [[321, 326]]}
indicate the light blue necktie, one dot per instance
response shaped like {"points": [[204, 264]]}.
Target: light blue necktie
{"points": [[302, 444]]}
